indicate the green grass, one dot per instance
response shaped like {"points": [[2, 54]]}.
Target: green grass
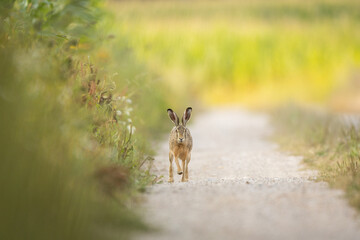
{"points": [[257, 54], [75, 131], [327, 142]]}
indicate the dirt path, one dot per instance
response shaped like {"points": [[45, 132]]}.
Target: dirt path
{"points": [[241, 187]]}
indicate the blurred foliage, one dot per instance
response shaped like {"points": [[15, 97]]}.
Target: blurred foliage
{"points": [[329, 143], [130, 74], [63, 19], [256, 53], [72, 156]]}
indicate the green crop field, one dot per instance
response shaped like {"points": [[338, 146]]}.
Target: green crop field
{"points": [[256, 53]]}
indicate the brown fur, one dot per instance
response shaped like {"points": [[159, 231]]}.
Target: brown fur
{"points": [[180, 145]]}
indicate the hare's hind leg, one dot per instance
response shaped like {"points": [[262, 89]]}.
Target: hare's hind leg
{"points": [[186, 171], [171, 177]]}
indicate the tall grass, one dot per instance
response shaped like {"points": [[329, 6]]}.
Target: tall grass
{"points": [[72, 154], [257, 53], [329, 143]]}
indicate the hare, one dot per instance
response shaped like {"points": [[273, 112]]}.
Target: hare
{"points": [[180, 144]]}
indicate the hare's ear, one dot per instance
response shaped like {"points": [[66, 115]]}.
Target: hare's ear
{"points": [[186, 116], [174, 118]]}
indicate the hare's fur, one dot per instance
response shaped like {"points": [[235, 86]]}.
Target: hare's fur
{"points": [[180, 145]]}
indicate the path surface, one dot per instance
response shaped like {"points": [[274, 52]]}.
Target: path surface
{"points": [[241, 187]]}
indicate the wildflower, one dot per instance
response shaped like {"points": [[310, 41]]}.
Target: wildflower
{"points": [[131, 129], [118, 112]]}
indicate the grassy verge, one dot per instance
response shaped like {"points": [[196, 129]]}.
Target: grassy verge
{"points": [[73, 130], [329, 143]]}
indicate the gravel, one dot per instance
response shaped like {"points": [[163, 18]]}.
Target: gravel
{"points": [[242, 187]]}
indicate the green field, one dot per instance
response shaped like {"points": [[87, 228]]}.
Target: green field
{"points": [[256, 53]]}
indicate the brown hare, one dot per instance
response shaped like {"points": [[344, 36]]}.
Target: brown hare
{"points": [[180, 144]]}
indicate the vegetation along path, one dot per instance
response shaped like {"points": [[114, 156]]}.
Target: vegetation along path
{"points": [[241, 187]]}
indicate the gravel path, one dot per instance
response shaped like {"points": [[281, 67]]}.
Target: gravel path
{"points": [[241, 187]]}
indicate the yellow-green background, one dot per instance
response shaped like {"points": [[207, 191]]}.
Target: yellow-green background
{"points": [[254, 53]]}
